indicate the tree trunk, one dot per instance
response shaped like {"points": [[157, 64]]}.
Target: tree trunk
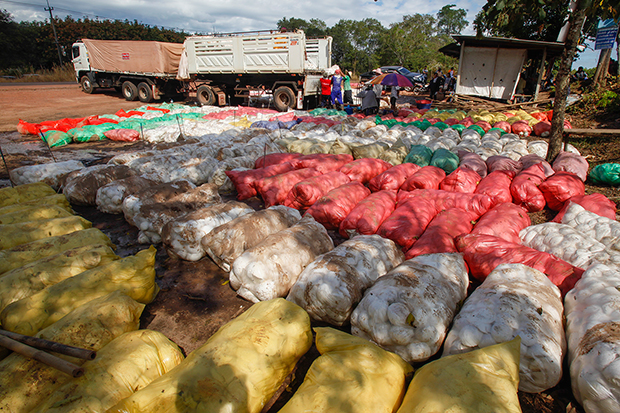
{"points": [[602, 68], [562, 80]]}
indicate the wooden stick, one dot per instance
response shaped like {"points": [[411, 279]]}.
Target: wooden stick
{"points": [[52, 361], [43, 344]]}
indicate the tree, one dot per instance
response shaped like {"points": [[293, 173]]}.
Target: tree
{"points": [[505, 15], [357, 44], [313, 28], [451, 21]]}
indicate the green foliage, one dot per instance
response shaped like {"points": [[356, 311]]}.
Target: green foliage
{"points": [[451, 21], [32, 44], [609, 100]]}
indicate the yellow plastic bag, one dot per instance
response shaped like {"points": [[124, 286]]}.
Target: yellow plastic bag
{"points": [[237, 370], [34, 213], [23, 193], [12, 235], [124, 366], [481, 381], [134, 276], [35, 250], [58, 199], [351, 375], [31, 278], [25, 382]]}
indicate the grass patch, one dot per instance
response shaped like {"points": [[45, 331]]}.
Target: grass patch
{"points": [[28, 74]]}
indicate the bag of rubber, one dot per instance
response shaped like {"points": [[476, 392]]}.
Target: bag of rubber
{"points": [[607, 174]]}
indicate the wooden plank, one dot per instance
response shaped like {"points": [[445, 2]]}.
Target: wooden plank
{"points": [[592, 132]]}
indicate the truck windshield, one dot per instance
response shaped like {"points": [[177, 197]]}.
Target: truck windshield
{"points": [[75, 51]]}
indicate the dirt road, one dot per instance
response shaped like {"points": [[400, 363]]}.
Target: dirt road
{"points": [[52, 101]]}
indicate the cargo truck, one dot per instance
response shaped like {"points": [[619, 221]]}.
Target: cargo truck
{"points": [[215, 70]]}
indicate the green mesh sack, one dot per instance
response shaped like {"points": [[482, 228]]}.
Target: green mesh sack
{"points": [[458, 127], [477, 129], [446, 160], [607, 173], [56, 138], [500, 130], [318, 111], [440, 125], [420, 155], [424, 125]]}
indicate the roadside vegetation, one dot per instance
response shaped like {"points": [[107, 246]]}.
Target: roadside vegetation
{"points": [[29, 74]]}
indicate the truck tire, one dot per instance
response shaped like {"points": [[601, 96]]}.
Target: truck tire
{"points": [[130, 91], [283, 98], [145, 94], [87, 85], [205, 95]]}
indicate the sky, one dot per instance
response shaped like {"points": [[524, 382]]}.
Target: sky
{"points": [[208, 16]]}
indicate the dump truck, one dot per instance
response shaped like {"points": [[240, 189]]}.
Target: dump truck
{"points": [[144, 70], [283, 67]]}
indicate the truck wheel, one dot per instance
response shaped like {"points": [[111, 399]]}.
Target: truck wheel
{"points": [[87, 86], [283, 98], [145, 94], [130, 91], [205, 95]]}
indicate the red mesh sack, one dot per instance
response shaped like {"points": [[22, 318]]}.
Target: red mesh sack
{"points": [[26, 128], [462, 179], [505, 126], [542, 128], [364, 169], [244, 180], [560, 187], [486, 126], [393, 178], [597, 203], [441, 231], [322, 162], [504, 221], [274, 189], [571, 162], [274, 159], [524, 188], [521, 128], [483, 253], [307, 192], [368, 215], [477, 203], [122, 135], [497, 186], [332, 208], [539, 116], [408, 222], [428, 177]]}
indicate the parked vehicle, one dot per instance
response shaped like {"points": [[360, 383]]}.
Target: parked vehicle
{"points": [[418, 80], [216, 70]]}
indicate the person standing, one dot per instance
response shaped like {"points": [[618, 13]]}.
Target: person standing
{"points": [[348, 93], [337, 89], [369, 101], [434, 85], [378, 89], [326, 90], [393, 98]]}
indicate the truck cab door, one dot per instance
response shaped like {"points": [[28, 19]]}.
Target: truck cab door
{"points": [[80, 58]]}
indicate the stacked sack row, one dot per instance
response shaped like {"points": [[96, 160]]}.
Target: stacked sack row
{"points": [[60, 280]]}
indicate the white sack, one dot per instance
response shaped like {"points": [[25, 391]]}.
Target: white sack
{"points": [[81, 186], [331, 286], [408, 310], [592, 312], [270, 269], [50, 173], [515, 300], [110, 197], [228, 241], [182, 236], [602, 229]]}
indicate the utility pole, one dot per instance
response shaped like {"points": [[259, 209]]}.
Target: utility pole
{"points": [[54, 30]]}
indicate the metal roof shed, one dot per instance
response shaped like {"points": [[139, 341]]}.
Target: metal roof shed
{"points": [[491, 66]]}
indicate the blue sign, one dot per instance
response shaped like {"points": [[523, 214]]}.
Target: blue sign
{"points": [[606, 36]]}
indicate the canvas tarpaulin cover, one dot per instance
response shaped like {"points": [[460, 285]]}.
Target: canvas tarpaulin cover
{"points": [[489, 72], [134, 56]]}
